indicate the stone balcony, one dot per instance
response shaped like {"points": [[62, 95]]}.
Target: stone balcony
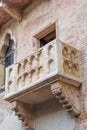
{"points": [[55, 61]]}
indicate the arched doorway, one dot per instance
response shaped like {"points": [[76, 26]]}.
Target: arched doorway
{"points": [[7, 53]]}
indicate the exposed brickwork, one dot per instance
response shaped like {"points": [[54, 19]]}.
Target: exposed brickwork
{"points": [[81, 122]]}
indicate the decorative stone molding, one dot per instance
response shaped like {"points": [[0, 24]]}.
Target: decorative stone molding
{"points": [[69, 63], [14, 12], [25, 113], [68, 96], [5, 31], [6, 35]]}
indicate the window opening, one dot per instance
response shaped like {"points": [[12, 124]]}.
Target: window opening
{"points": [[44, 36], [9, 55], [48, 38]]}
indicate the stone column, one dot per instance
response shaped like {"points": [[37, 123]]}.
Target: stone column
{"points": [[1, 71]]}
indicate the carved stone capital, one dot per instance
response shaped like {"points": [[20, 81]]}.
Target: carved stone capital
{"points": [[68, 96], [25, 113]]}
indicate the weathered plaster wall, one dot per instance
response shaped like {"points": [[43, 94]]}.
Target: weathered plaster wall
{"points": [[50, 115], [8, 120]]}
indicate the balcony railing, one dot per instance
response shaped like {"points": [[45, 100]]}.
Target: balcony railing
{"points": [[54, 59], [36, 68]]}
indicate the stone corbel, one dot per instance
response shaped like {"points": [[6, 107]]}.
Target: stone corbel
{"points": [[68, 96], [14, 12], [25, 113]]}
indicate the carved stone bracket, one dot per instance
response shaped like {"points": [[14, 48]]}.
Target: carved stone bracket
{"points": [[25, 113], [68, 96], [11, 10]]}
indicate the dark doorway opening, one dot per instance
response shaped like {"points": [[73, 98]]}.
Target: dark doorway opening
{"points": [[9, 55]]}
